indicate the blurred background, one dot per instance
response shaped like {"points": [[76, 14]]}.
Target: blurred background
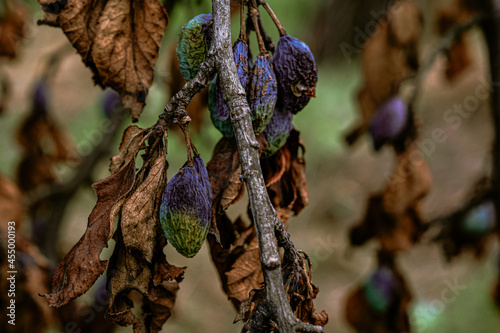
{"points": [[340, 177]]}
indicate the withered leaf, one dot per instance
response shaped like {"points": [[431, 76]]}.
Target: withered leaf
{"points": [[457, 55], [12, 28], [246, 272], [118, 40], [158, 283], [290, 191], [81, 267], [224, 172], [11, 202], [32, 272], [389, 56], [364, 317], [410, 182], [139, 218], [396, 232]]}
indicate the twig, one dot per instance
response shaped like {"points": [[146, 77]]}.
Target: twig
{"points": [[176, 108], [263, 212]]}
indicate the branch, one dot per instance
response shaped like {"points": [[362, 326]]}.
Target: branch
{"points": [[265, 216]]}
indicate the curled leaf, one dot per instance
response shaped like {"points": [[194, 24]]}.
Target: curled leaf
{"points": [[118, 40]]}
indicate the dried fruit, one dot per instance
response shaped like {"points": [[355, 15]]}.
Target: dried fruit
{"points": [[222, 122], [219, 111], [277, 131], [41, 97], [379, 289], [111, 103], [389, 122], [296, 73], [193, 44], [185, 212], [480, 219], [263, 92]]}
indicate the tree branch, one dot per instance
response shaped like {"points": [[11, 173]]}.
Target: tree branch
{"points": [[264, 215]]}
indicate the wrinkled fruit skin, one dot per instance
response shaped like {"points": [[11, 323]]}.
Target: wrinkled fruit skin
{"points": [[379, 289], [296, 73], [480, 219], [219, 111], [185, 212], [111, 102], [389, 122], [192, 46], [277, 131], [263, 92]]}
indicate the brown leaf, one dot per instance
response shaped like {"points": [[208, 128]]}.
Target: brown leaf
{"points": [[290, 192], [81, 267], [246, 272], [236, 258], [396, 232], [363, 317], [458, 58], [118, 39], [410, 182], [12, 28], [158, 283], [11, 203], [31, 278], [44, 143], [139, 216], [138, 261], [302, 292], [224, 172], [388, 57]]}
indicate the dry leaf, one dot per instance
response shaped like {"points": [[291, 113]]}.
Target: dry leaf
{"points": [[285, 174], [410, 182], [158, 283], [365, 316], [81, 267], [12, 28], [11, 202], [246, 273], [139, 216], [448, 17], [118, 40], [388, 57]]}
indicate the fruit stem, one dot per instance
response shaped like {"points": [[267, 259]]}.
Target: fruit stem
{"points": [[185, 129], [254, 13], [281, 30], [243, 35]]}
